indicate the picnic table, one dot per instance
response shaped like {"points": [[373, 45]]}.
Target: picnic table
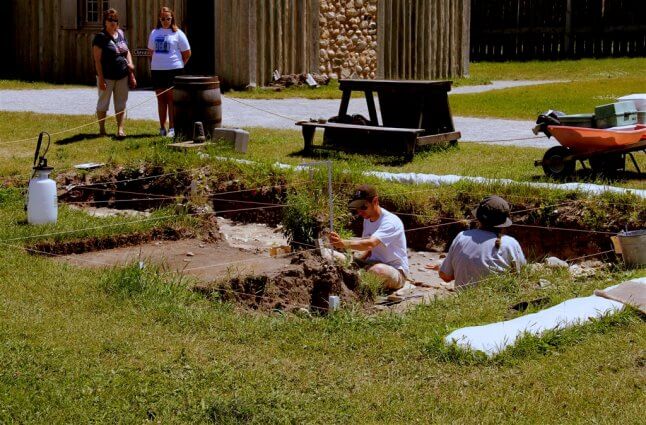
{"points": [[413, 114]]}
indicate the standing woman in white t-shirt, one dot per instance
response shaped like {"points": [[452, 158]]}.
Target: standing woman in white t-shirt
{"points": [[170, 51]]}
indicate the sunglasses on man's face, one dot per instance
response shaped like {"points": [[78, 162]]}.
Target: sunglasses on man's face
{"points": [[165, 19], [116, 21], [363, 207]]}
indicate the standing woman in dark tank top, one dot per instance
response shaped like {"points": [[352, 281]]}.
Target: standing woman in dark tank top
{"points": [[114, 71]]}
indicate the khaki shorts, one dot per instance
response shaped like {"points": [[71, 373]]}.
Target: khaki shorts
{"points": [[393, 278], [118, 88]]}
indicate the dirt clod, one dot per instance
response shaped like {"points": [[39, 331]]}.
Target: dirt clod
{"points": [[306, 283]]}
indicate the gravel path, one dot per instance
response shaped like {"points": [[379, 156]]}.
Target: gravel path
{"points": [[279, 113]]}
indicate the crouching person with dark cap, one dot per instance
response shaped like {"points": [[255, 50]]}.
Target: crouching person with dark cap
{"points": [[383, 242], [474, 254]]}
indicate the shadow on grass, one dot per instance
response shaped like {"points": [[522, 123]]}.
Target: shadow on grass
{"points": [[89, 136], [334, 154], [377, 154]]}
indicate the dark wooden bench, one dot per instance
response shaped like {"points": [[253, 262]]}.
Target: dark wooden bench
{"points": [[407, 135], [413, 114]]}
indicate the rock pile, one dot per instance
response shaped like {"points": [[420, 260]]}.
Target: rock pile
{"points": [[298, 80], [348, 38]]}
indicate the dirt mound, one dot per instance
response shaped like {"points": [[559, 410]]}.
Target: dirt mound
{"points": [[306, 283]]}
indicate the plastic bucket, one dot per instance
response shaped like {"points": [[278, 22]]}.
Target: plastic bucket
{"points": [[633, 247]]}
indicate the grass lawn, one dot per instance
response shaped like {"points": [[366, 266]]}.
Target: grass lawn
{"points": [[80, 346], [130, 345], [527, 102], [568, 70], [267, 146], [33, 85]]}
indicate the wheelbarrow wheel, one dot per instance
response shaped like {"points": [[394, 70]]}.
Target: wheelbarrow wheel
{"points": [[556, 163]]}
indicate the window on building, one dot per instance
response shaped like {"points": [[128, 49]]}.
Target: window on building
{"points": [[93, 11], [88, 14]]}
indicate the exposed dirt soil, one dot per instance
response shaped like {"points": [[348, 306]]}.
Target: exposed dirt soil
{"points": [[229, 196], [237, 266], [207, 261], [208, 232], [233, 261], [305, 284]]}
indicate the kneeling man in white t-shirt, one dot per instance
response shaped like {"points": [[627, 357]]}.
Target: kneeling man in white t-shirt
{"points": [[383, 241]]}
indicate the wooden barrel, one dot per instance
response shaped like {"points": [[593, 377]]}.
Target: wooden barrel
{"points": [[196, 98]]}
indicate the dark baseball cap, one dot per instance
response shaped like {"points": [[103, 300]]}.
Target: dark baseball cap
{"points": [[493, 211], [362, 193]]}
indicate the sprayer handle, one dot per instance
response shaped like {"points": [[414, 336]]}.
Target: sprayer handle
{"points": [[40, 142]]}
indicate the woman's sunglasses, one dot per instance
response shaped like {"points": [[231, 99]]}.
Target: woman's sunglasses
{"points": [[113, 20], [165, 19]]}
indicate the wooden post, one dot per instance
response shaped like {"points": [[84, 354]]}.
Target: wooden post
{"points": [[252, 34], [382, 42], [308, 138], [466, 37], [567, 42], [313, 33]]}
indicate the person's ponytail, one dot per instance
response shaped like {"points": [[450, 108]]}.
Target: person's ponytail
{"points": [[498, 239], [498, 232]]}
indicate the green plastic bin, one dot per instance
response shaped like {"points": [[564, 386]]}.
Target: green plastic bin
{"points": [[616, 114]]}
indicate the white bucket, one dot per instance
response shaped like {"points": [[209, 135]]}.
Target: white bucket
{"points": [[633, 247]]}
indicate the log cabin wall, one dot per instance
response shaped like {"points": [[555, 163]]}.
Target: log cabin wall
{"points": [[242, 41], [53, 43]]}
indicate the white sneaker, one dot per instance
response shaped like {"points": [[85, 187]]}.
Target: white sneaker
{"points": [[162, 131], [171, 132]]}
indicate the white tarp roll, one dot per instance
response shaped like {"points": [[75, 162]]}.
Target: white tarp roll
{"points": [[437, 180], [495, 337]]}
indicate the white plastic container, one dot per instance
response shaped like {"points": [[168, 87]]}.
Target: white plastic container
{"points": [[42, 203], [638, 99], [334, 302]]}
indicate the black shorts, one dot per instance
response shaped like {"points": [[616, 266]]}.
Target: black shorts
{"points": [[164, 79]]}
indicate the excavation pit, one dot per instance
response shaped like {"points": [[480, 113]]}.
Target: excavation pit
{"points": [[233, 261]]}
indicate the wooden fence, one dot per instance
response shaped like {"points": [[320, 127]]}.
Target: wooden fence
{"points": [[557, 29], [255, 37], [423, 40]]}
